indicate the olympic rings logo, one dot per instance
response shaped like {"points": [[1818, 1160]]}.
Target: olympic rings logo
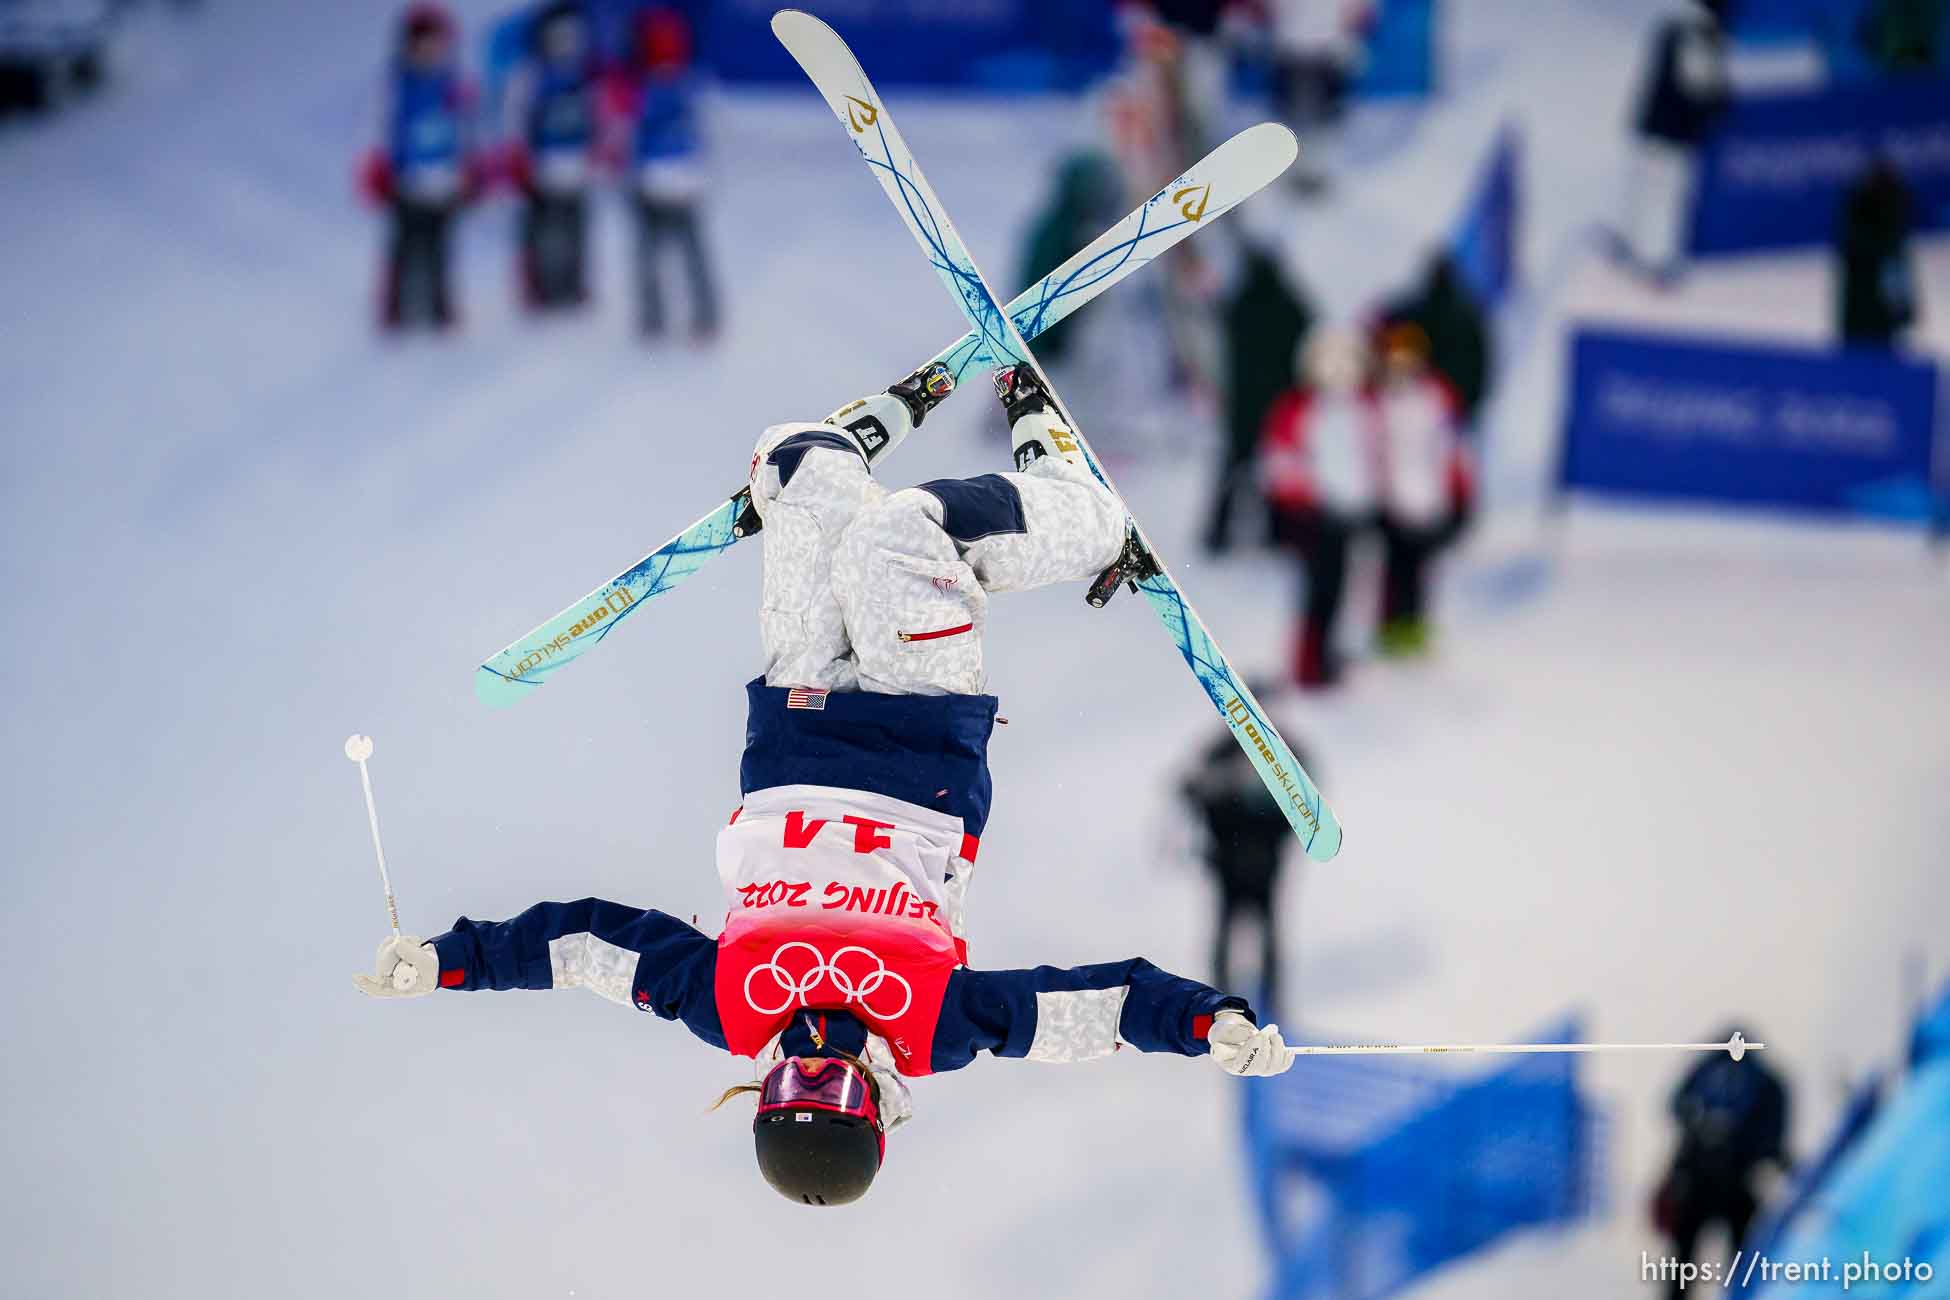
{"points": [[798, 986]]}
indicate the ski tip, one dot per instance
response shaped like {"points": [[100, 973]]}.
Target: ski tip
{"points": [[787, 21], [497, 690], [808, 39], [1326, 843], [1271, 135], [1251, 159]]}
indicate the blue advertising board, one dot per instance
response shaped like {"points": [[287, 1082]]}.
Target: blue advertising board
{"points": [[1651, 415], [1775, 170]]}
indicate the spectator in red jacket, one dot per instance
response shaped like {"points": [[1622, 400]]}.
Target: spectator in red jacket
{"points": [[1427, 488], [1319, 467]]}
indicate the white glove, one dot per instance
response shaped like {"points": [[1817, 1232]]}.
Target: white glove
{"points": [[1241, 1049], [404, 967]]}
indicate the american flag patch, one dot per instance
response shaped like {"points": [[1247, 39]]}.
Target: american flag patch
{"points": [[801, 697]]}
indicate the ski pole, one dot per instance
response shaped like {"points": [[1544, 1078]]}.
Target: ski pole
{"points": [[359, 749], [1735, 1047]]}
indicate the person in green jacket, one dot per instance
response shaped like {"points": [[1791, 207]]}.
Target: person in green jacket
{"points": [[1265, 320], [1084, 203]]}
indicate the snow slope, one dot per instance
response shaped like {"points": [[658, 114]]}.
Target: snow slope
{"points": [[1699, 777]]}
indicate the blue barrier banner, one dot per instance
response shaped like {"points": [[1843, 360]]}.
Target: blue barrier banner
{"points": [[1370, 1173], [1775, 170], [1838, 431]]}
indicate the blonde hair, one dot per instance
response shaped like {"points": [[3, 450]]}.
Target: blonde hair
{"points": [[733, 1091]]}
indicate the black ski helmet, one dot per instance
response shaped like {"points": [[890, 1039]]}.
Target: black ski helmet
{"points": [[816, 1158], [809, 1149]]}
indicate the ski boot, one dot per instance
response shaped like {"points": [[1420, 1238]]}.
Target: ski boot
{"points": [[880, 420], [924, 390], [1036, 427], [1133, 566], [877, 423]]}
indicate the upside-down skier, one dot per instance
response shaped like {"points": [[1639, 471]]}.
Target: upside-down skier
{"points": [[865, 781]]}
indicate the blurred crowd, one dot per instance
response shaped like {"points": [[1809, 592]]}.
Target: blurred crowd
{"points": [[581, 96]]}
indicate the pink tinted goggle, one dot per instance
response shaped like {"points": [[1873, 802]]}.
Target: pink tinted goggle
{"points": [[818, 1083]]}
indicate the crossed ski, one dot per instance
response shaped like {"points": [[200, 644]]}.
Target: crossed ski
{"points": [[1230, 173], [831, 65]]}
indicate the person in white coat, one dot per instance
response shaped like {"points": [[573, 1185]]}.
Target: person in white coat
{"points": [[1318, 467]]}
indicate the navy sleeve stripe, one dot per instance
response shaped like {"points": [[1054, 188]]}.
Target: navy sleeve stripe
{"points": [[791, 451], [1002, 1012], [676, 966]]}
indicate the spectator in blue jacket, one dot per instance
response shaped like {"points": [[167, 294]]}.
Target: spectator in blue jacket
{"points": [[425, 170], [551, 129], [667, 177]]}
